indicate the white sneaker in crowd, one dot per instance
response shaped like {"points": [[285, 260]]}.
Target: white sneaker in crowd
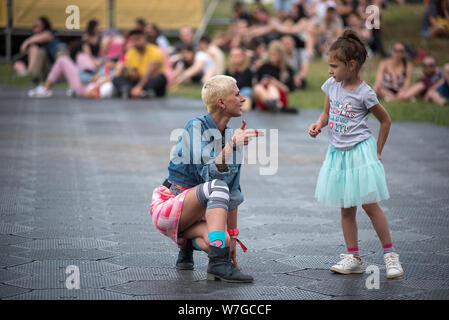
{"points": [[32, 92], [394, 268], [70, 92], [40, 92], [349, 264]]}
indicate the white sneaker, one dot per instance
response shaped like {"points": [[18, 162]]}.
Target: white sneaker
{"points": [[394, 268], [70, 92], [348, 265], [32, 92], [40, 92]]}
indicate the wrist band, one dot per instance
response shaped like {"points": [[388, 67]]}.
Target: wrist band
{"points": [[233, 232]]}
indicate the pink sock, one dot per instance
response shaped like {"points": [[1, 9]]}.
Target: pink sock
{"points": [[354, 251], [388, 248]]}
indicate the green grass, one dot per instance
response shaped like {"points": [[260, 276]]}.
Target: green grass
{"points": [[8, 76], [397, 23], [188, 91], [403, 23], [418, 112]]}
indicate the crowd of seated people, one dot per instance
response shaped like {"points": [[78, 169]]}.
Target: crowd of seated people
{"points": [[269, 54]]}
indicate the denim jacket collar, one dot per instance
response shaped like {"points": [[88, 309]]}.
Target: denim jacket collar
{"points": [[211, 123]]}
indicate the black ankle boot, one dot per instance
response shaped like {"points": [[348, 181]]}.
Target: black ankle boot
{"points": [[221, 268], [185, 257]]}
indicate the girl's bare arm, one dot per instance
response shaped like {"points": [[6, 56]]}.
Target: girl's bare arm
{"points": [[315, 128], [385, 123], [324, 116]]}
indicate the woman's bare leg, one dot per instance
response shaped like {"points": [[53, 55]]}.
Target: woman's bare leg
{"points": [[20, 67], [32, 53], [263, 94], [219, 267], [436, 97], [411, 92], [199, 231], [192, 211]]}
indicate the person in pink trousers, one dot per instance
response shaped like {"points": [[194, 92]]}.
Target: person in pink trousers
{"points": [[99, 85]]}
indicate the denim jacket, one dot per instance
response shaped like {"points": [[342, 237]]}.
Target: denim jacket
{"points": [[192, 161]]}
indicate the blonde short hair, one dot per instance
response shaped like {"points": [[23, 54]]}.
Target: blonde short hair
{"points": [[215, 88]]}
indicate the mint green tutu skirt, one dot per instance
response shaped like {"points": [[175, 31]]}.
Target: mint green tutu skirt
{"points": [[353, 177]]}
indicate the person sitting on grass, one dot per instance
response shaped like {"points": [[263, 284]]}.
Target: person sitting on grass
{"points": [[423, 86], [148, 60], [440, 22], [298, 61], [41, 50], [239, 69], [186, 38], [298, 26], [194, 66], [95, 85], [205, 44], [90, 46], [326, 29], [440, 95], [275, 81], [393, 74]]}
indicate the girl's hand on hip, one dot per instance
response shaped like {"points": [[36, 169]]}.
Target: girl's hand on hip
{"points": [[379, 157]]}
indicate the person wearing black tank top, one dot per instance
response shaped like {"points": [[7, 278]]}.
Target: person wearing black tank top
{"points": [[90, 45]]}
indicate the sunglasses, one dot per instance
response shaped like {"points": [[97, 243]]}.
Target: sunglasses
{"points": [[429, 65], [399, 50]]}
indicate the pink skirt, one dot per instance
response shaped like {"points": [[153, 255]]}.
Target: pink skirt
{"points": [[165, 212]]}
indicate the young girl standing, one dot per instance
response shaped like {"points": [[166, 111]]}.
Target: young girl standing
{"points": [[352, 173]]}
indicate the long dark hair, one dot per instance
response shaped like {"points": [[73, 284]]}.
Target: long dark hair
{"points": [[440, 6], [91, 27], [301, 12], [45, 22], [349, 47]]}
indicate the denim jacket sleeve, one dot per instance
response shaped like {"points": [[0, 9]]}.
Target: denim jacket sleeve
{"points": [[203, 150], [236, 198]]}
